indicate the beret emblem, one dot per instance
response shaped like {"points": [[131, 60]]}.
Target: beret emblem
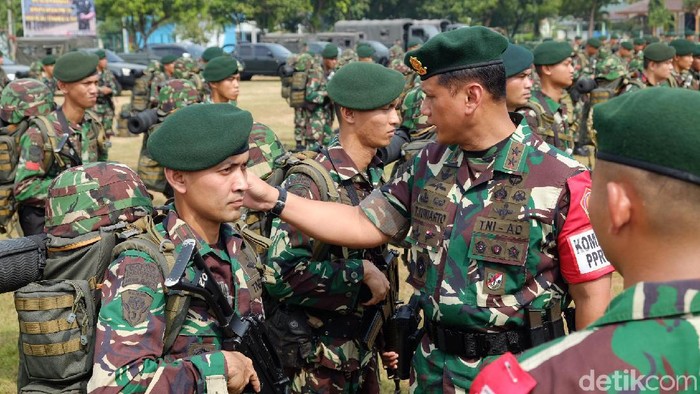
{"points": [[418, 66]]}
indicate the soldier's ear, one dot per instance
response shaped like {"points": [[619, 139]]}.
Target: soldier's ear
{"points": [[62, 86], [619, 206], [176, 179], [348, 115]]}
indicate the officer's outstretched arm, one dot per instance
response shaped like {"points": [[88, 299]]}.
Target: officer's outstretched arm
{"points": [[332, 223]]}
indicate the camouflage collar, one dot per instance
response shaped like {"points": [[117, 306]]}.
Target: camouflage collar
{"points": [[178, 231], [653, 300], [346, 168]]}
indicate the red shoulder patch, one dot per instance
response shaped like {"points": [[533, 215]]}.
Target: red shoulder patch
{"points": [[32, 166], [503, 376]]}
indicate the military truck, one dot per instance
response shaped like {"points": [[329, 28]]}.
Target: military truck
{"points": [[388, 31], [31, 49]]}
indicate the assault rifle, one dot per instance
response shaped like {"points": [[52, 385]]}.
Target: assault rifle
{"points": [[246, 334]]}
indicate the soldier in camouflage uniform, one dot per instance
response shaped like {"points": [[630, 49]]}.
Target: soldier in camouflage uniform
{"points": [[647, 340], [47, 65], [396, 51], [585, 62], [347, 56], [324, 288], [175, 94], [152, 74], [365, 53], [71, 130], [549, 112], [4, 80], [166, 72], [658, 65], [209, 180], [495, 218], [317, 111], [187, 68], [682, 61], [412, 79], [107, 88]]}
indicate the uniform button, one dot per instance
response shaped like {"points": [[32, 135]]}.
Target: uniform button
{"points": [[353, 275]]}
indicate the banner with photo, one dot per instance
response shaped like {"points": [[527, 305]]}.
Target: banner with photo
{"points": [[58, 17]]}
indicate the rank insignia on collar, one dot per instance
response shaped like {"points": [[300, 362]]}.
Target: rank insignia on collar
{"points": [[418, 66]]}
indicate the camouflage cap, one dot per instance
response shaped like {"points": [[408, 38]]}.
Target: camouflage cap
{"points": [[177, 93], [24, 97], [191, 65], [179, 69], [84, 198], [304, 62]]}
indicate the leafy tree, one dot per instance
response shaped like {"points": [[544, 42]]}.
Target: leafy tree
{"points": [[145, 16], [588, 9], [659, 16]]}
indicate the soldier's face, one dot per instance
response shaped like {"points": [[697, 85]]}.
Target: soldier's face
{"points": [[375, 128], [215, 195], [49, 70], [444, 110], [330, 64], [227, 88], [562, 74], [661, 70], [82, 93], [684, 62], [518, 89], [102, 64], [696, 63], [169, 68]]}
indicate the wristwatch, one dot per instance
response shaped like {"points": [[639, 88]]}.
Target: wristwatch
{"points": [[281, 201]]}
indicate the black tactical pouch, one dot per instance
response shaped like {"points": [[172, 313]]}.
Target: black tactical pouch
{"points": [[291, 335]]}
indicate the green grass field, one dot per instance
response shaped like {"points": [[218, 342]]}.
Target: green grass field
{"points": [[262, 98]]}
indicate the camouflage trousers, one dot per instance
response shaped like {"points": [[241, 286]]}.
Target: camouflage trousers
{"points": [[319, 379], [433, 371], [318, 130]]}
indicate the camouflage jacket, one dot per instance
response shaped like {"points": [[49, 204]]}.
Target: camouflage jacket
{"points": [[489, 235], [265, 147], [33, 177], [157, 81], [104, 103], [683, 79], [412, 119], [327, 287], [584, 66], [647, 339], [129, 356], [551, 120], [4, 80], [51, 83]]}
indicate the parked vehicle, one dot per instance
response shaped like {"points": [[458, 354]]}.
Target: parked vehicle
{"points": [[14, 70], [157, 51], [381, 52], [125, 73], [387, 31], [261, 58]]}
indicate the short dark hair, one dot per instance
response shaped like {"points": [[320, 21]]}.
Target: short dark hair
{"points": [[492, 78]]}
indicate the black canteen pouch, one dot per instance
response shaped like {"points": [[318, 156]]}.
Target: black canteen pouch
{"points": [[291, 335]]}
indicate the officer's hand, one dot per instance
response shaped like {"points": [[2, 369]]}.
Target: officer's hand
{"points": [[377, 283], [240, 372], [390, 360], [260, 196]]}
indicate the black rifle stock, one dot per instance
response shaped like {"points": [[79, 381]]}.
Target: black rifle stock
{"points": [[247, 334], [405, 322]]}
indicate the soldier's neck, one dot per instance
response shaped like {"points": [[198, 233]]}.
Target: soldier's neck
{"points": [[361, 155], [73, 113], [552, 91]]}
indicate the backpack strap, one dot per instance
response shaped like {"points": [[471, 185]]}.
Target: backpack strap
{"points": [[48, 134], [148, 240]]}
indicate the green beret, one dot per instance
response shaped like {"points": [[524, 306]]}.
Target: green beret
{"points": [[594, 42], [516, 59], [330, 51], [200, 136], [167, 59], [639, 41], [615, 37], [365, 50], [211, 53], [577, 38], [467, 47], [552, 52], [48, 60], [653, 39], [414, 42], [627, 45], [100, 53], [74, 66], [696, 52], [220, 68], [663, 141], [659, 52], [365, 86], [683, 46]]}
